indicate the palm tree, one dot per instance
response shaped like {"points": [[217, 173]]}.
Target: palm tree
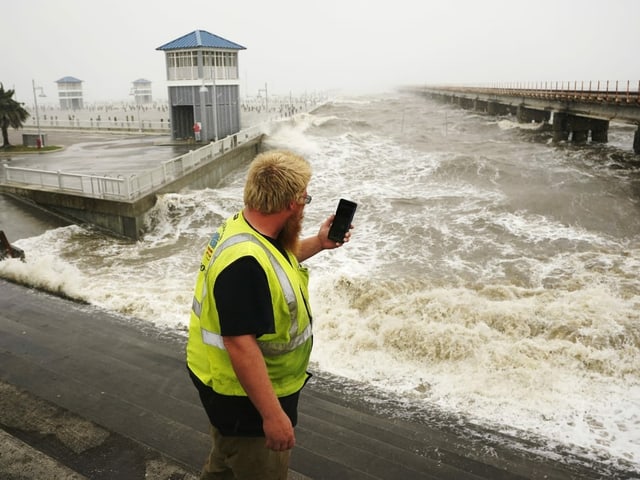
{"points": [[12, 114]]}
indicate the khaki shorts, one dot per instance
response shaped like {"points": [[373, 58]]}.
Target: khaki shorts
{"points": [[244, 458]]}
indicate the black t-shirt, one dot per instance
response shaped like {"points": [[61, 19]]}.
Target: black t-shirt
{"points": [[244, 304], [243, 299]]}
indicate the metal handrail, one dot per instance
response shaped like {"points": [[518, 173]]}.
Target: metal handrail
{"points": [[597, 91], [148, 126]]}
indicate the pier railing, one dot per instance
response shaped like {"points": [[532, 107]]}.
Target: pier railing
{"points": [[615, 92], [132, 187], [126, 118]]}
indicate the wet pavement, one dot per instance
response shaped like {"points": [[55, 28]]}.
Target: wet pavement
{"points": [[40, 440], [100, 153]]}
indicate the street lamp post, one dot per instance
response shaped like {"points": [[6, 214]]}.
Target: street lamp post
{"points": [[203, 108], [266, 97], [214, 102], [35, 101], [137, 98]]}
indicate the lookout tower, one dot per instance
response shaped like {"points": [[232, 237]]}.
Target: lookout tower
{"points": [[70, 93], [204, 85], [141, 91]]}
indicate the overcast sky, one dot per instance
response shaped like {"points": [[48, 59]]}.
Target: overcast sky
{"points": [[301, 46]]}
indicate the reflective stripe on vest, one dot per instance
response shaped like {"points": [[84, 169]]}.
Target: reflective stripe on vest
{"points": [[268, 348]]}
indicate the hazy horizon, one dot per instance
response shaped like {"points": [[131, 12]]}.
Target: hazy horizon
{"points": [[347, 46]]}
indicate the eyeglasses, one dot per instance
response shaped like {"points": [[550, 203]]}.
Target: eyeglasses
{"points": [[307, 199]]}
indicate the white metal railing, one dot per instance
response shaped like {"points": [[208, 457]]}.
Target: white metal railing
{"points": [[119, 188], [127, 124], [88, 185], [192, 73], [602, 91]]}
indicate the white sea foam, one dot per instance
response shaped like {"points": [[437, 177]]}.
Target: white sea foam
{"points": [[506, 124], [484, 352]]}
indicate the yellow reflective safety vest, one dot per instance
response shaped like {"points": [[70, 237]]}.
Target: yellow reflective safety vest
{"points": [[286, 352]]}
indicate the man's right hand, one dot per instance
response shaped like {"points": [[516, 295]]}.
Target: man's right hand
{"points": [[248, 363], [278, 432]]}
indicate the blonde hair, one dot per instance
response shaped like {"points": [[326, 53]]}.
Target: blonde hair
{"points": [[275, 179]]}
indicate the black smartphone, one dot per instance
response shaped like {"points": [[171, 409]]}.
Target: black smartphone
{"points": [[342, 221]]}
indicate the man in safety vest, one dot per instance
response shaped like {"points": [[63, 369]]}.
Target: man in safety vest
{"points": [[250, 329]]}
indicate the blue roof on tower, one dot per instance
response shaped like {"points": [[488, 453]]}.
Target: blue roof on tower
{"points": [[200, 39], [68, 80]]}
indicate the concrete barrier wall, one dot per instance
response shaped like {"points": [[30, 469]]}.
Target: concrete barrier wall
{"points": [[210, 175]]}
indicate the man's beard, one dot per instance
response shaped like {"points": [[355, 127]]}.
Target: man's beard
{"points": [[289, 237]]}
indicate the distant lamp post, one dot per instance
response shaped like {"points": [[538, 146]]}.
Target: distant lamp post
{"points": [[203, 108], [266, 97], [138, 100], [35, 101], [214, 104]]}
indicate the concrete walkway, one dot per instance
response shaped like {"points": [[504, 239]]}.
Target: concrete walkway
{"points": [[88, 394]]}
